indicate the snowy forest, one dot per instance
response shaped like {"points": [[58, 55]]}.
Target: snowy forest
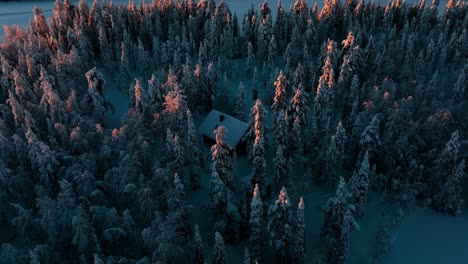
{"points": [[351, 104]]}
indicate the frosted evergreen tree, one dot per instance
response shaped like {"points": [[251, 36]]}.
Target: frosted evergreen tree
{"points": [[281, 166], [258, 159], [239, 111], [155, 94], [281, 226], [141, 104], [449, 198], [338, 224], [84, 237], [255, 84], [222, 155], [299, 245], [324, 98], [359, 186], [219, 251], [449, 173], [193, 155], [280, 100], [459, 91], [256, 243], [42, 158], [370, 139], [335, 152], [94, 102], [246, 256], [272, 52], [176, 198], [256, 127], [250, 59], [199, 256], [299, 107]]}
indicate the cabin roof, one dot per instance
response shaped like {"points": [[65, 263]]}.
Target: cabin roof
{"points": [[235, 127]]}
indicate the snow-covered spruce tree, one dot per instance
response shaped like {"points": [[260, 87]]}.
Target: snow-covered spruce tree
{"points": [[94, 103], [141, 102], [338, 224], [323, 101], [42, 158], [192, 153], [84, 237], [175, 199], [281, 226], [272, 52], [250, 59], [299, 107], [222, 155], [370, 140], [218, 195], [256, 242], [246, 256], [280, 100], [258, 156], [177, 155], [449, 198], [448, 173], [256, 126], [281, 166], [199, 255], [299, 244], [460, 90], [175, 110], [219, 251], [335, 153], [359, 186], [240, 108]]}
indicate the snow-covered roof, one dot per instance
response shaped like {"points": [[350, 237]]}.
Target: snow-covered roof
{"points": [[235, 127]]}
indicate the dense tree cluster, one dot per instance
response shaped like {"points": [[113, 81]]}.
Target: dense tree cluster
{"points": [[73, 189]]}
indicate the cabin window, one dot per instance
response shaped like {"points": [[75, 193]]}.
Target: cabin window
{"points": [[221, 118]]}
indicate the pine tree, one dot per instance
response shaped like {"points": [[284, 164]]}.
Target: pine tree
{"points": [[299, 107], [218, 195], [222, 155], [448, 175], [239, 111], [338, 224], [299, 245], [176, 197], [335, 152], [272, 52], [94, 102], [199, 256], [459, 91], [219, 250], [258, 153], [193, 155], [256, 127], [280, 100], [141, 104], [256, 226], [359, 186], [84, 237], [281, 226], [370, 139], [250, 59], [246, 256], [281, 166], [449, 198]]}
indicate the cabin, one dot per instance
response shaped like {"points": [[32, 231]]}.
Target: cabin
{"points": [[236, 130]]}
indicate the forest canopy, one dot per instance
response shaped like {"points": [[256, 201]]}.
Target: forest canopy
{"points": [[355, 98]]}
